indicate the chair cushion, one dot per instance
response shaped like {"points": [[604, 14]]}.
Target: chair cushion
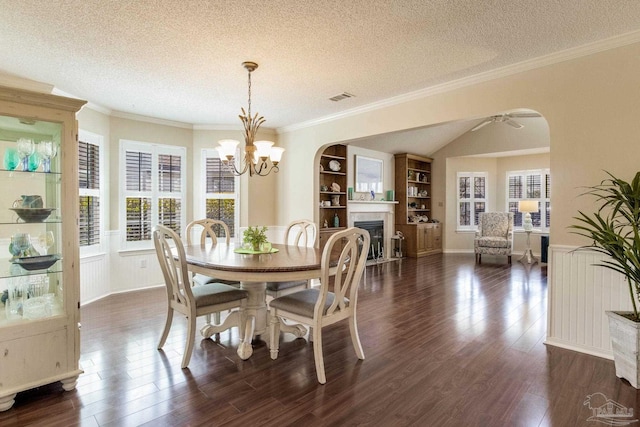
{"points": [[303, 302], [216, 293], [280, 286], [493, 242], [201, 279]]}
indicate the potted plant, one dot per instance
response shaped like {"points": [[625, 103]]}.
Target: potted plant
{"points": [[254, 237], [614, 230]]}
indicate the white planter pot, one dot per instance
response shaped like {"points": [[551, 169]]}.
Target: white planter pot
{"points": [[625, 342]]}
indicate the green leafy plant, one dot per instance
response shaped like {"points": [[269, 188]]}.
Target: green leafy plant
{"points": [[255, 236], [615, 230]]}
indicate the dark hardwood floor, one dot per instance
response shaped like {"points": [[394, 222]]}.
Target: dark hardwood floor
{"points": [[447, 343]]}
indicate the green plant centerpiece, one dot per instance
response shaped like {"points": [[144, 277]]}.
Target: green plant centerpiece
{"points": [[614, 230], [254, 237]]}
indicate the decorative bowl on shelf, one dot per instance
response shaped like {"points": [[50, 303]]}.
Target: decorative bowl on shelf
{"points": [[334, 165], [39, 262], [33, 214]]}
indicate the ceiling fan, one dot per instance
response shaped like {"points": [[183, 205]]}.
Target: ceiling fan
{"points": [[506, 118]]}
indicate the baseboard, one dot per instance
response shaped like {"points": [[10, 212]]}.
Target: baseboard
{"points": [[578, 348]]}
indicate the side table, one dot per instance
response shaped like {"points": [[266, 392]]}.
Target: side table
{"points": [[528, 254]]}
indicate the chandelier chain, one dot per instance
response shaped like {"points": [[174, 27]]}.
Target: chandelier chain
{"points": [[259, 158], [249, 100]]}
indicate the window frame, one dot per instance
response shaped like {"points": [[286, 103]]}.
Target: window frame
{"points": [[154, 194], [542, 200], [472, 200], [97, 140], [208, 153]]}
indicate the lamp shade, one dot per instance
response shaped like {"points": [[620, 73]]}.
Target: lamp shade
{"points": [[276, 154], [229, 146], [263, 148], [528, 206]]}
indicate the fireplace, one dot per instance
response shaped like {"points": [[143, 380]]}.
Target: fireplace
{"points": [[380, 213], [376, 232]]}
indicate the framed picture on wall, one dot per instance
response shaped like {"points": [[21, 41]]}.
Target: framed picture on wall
{"points": [[369, 174]]}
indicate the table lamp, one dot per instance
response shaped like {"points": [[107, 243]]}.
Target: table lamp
{"points": [[526, 207]]}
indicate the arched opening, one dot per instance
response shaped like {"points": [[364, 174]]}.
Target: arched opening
{"points": [[500, 144]]}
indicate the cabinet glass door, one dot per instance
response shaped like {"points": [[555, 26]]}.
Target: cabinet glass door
{"points": [[31, 281]]}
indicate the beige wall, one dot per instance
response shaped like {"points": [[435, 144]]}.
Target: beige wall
{"points": [[496, 168], [135, 130], [588, 104], [257, 204], [258, 194]]}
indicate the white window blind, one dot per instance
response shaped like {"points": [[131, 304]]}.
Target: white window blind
{"points": [[472, 199], [154, 185], [221, 192], [90, 192], [530, 185]]}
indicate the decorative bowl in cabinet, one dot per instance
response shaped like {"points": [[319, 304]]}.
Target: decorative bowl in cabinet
{"points": [[36, 262], [33, 214]]}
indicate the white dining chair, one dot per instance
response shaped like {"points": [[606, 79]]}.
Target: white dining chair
{"points": [[333, 301], [207, 228], [301, 232], [194, 301]]}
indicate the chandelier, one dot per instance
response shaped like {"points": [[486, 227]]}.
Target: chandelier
{"points": [[260, 157]]}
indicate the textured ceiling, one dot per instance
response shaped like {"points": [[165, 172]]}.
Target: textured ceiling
{"points": [[180, 60]]}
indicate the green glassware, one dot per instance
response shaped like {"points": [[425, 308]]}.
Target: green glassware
{"points": [[11, 159], [34, 162]]}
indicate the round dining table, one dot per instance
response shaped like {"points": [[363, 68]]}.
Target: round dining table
{"points": [[253, 271]]}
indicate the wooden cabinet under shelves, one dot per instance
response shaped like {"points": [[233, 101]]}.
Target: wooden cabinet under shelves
{"points": [[421, 239], [39, 319], [333, 204], [413, 193]]}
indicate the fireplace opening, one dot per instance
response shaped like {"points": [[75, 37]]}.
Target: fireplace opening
{"points": [[376, 232]]}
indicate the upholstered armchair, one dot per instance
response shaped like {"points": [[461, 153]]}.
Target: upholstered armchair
{"points": [[494, 235]]}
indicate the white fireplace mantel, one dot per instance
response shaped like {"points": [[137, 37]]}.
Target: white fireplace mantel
{"points": [[374, 210]]}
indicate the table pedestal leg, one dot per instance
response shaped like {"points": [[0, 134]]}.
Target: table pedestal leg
{"points": [[245, 349], [256, 305]]}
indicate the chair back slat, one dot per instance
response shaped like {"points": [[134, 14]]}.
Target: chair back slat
{"points": [[305, 231], [173, 263], [348, 270], [208, 230]]}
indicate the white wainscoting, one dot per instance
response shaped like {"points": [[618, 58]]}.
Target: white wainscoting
{"points": [[124, 271], [94, 278], [579, 295], [115, 272]]}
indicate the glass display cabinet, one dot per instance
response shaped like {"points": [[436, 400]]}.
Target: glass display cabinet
{"points": [[39, 254]]}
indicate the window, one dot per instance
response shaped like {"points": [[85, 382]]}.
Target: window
{"points": [[90, 192], [153, 190], [530, 185], [472, 198], [220, 192]]}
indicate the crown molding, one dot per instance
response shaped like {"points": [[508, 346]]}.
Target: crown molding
{"points": [[99, 108], [235, 128], [530, 64], [154, 120], [11, 80], [217, 127]]}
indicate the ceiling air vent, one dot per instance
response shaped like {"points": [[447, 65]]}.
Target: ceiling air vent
{"points": [[340, 97]]}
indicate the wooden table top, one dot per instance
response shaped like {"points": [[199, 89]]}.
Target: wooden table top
{"points": [[221, 257]]}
